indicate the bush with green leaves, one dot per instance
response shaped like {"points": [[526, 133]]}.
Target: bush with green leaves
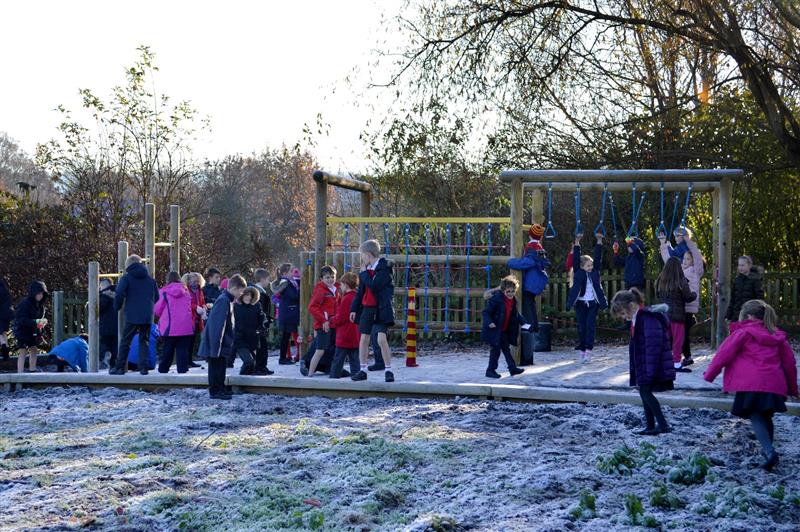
{"points": [[661, 497], [587, 507], [690, 471], [621, 462]]}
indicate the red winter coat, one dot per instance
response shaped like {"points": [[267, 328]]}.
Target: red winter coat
{"points": [[347, 335], [323, 304], [198, 300], [755, 360]]}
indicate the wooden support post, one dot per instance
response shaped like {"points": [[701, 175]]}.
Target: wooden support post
{"points": [[175, 238], [93, 319], [307, 277], [537, 217], [321, 228], [122, 257], [58, 317], [517, 238], [714, 265], [150, 237], [725, 229], [365, 212]]}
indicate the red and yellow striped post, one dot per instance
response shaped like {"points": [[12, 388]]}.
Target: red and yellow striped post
{"points": [[411, 333]]}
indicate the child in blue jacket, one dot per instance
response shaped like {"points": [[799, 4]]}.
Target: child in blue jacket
{"points": [[534, 266], [633, 262], [587, 295], [75, 352], [501, 325]]}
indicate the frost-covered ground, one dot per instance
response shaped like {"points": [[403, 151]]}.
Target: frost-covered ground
{"points": [[127, 460]]}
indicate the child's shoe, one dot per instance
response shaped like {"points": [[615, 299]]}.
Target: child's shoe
{"points": [[360, 376], [588, 355], [516, 371], [389, 376], [584, 360], [770, 462], [303, 369], [492, 374]]}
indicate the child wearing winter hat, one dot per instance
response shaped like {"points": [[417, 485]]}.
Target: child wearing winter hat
{"points": [[761, 368]]}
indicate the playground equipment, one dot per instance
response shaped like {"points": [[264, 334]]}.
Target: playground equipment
{"points": [[150, 245]]}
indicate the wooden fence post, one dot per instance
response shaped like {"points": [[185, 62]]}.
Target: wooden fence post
{"points": [[58, 317], [93, 318]]}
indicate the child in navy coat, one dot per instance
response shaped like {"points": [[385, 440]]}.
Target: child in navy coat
{"points": [[633, 262], [501, 325], [586, 294]]}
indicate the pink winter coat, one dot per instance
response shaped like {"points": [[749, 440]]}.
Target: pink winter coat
{"points": [[174, 310], [693, 273], [755, 360]]}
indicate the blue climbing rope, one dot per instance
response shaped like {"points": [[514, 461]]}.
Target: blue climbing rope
{"points": [[674, 212], [447, 280], [405, 318], [578, 226], [634, 230], [488, 266], [686, 207], [601, 227], [466, 301], [427, 269], [550, 231], [613, 215], [662, 228], [346, 239], [386, 239]]}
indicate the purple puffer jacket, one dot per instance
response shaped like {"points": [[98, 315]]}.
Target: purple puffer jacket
{"points": [[650, 351], [174, 311]]}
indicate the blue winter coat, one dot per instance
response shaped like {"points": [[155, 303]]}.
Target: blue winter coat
{"points": [[495, 312], [633, 263], [289, 306], [382, 288], [534, 267], [579, 278], [133, 352], [108, 316], [75, 352], [650, 351], [138, 292], [28, 311], [218, 334], [679, 251]]}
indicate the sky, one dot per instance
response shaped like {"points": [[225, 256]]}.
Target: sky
{"points": [[259, 70]]}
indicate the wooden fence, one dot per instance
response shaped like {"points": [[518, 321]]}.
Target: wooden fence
{"points": [[463, 313]]}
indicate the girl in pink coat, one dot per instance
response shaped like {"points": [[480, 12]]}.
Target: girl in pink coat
{"points": [[760, 367], [175, 323]]}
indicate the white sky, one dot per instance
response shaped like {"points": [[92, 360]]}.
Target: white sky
{"points": [[260, 70]]}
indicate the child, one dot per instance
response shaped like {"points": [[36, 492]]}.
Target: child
{"points": [[746, 286], [195, 283], [29, 322], [217, 341], [289, 309], [586, 295], [175, 324], [347, 337], [761, 368], [75, 352], [534, 265], [262, 353], [373, 306], [650, 353], [6, 316], [137, 292], [248, 322], [134, 363], [501, 325], [322, 307], [633, 262], [108, 323], [693, 269], [681, 234], [211, 289], [672, 289]]}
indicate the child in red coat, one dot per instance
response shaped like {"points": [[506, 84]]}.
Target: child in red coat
{"points": [[760, 367], [347, 335], [323, 305]]}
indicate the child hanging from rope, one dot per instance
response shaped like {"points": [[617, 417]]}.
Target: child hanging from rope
{"points": [[501, 325], [693, 268], [586, 294], [672, 289], [761, 368], [650, 353], [633, 262], [323, 307], [373, 306]]}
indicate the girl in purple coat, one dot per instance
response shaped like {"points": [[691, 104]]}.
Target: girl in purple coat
{"points": [[650, 354], [175, 323], [760, 367]]}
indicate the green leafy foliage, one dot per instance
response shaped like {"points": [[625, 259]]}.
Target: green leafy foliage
{"points": [[621, 462], [693, 470], [661, 497], [633, 508], [586, 508]]}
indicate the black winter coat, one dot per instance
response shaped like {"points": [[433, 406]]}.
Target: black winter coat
{"points": [[138, 292], [383, 290], [211, 292], [217, 338], [495, 312], [650, 352], [28, 311], [248, 323], [6, 306], [745, 288], [108, 316], [676, 300], [266, 307]]}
